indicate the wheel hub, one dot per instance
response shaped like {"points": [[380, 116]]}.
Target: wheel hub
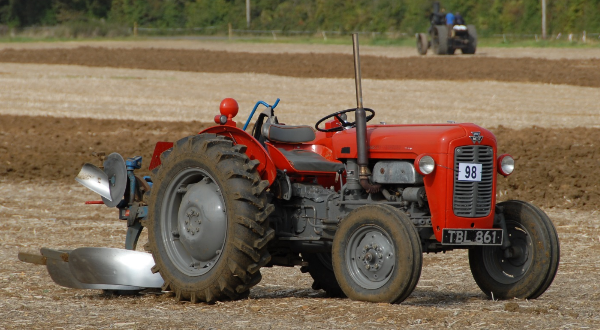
{"points": [[202, 222], [193, 221], [372, 257], [510, 265], [518, 253], [375, 256]]}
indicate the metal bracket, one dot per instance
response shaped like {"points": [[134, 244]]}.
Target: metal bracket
{"points": [[500, 222]]}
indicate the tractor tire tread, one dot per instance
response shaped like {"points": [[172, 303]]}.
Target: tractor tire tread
{"points": [[253, 268], [240, 148], [260, 187], [251, 165], [252, 225], [261, 242], [245, 287], [238, 173], [246, 249], [244, 196], [239, 270], [231, 154], [262, 216]]}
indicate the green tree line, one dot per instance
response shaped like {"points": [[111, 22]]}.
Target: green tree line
{"points": [[490, 16]]}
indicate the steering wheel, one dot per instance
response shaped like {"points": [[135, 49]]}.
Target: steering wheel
{"points": [[342, 120]]}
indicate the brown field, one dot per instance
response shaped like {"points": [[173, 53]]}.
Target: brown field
{"points": [[291, 48], [579, 72], [52, 116]]}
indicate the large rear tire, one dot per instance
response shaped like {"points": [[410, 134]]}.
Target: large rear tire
{"points": [[535, 255], [422, 43], [440, 40], [320, 269], [207, 225], [472, 44], [377, 254]]}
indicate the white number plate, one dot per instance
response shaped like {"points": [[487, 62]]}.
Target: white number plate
{"points": [[469, 172], [472, 236]]}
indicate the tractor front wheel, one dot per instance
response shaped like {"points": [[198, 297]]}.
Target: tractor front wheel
{"points": [[525, 269], [440, 40], [207, 225], [472, 40], [377, 254], [422, 43]]}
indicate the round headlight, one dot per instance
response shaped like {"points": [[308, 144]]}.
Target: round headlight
{"points": [[425, 164], [506, 164]]}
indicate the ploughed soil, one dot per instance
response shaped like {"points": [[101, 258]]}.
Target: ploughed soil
{"points": [[42, 206], [554, 167], [579, 72], [51, 214]]}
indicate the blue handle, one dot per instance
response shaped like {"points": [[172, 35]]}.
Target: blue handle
{"points": [[256, 106]]}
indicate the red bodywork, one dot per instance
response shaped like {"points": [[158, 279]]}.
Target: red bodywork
{"points": [[400, 142]]}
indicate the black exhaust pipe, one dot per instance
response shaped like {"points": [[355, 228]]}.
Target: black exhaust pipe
{"points": [[361, 127]]}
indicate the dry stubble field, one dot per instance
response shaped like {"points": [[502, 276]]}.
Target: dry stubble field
{"points": [[42, 148]]}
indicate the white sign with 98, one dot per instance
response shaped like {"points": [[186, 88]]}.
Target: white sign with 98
{"points": [[469, 172]]}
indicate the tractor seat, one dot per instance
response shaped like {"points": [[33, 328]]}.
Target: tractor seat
{"points": [[288, 133], [304, 160]]}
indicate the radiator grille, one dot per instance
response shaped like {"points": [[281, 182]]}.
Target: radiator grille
{"points": [[474, 199]]}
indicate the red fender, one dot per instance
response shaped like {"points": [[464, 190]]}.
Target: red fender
{"points": [[158, 150], [254, 150]]}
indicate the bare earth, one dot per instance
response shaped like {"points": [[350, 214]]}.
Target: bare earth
{"points": [[278, 48], [78, 91], [41, 206], [575, 72], [53, 214]]}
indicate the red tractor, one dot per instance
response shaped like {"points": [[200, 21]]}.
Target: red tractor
{"points": [[355, 205]]}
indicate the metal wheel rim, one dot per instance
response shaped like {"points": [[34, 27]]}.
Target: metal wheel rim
{"points": [[372, 240], [510, 270], [176, 251]]}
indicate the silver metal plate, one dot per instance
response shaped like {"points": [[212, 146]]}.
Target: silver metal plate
{"points": [[471, 236], [94, 179], [60, 273], [393, 171], [114, 266], [116, 171]]}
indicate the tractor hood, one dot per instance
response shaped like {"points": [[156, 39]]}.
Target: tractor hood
{"points": [[406, 141]]}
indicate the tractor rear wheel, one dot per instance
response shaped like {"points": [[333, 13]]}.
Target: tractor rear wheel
{"points": [[377, 254], [534, 255], [472, 43], [422, 43], [440, 40], [206, 223], [321, 270]]}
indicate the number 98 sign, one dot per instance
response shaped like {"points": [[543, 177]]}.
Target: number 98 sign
{"points": [[469, 172]]}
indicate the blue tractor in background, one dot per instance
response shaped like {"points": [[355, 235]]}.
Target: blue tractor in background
{"points": [[447, 35]]}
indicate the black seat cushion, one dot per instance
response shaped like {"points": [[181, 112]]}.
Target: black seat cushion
{"points": [[304, 160], [288, 133]]}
